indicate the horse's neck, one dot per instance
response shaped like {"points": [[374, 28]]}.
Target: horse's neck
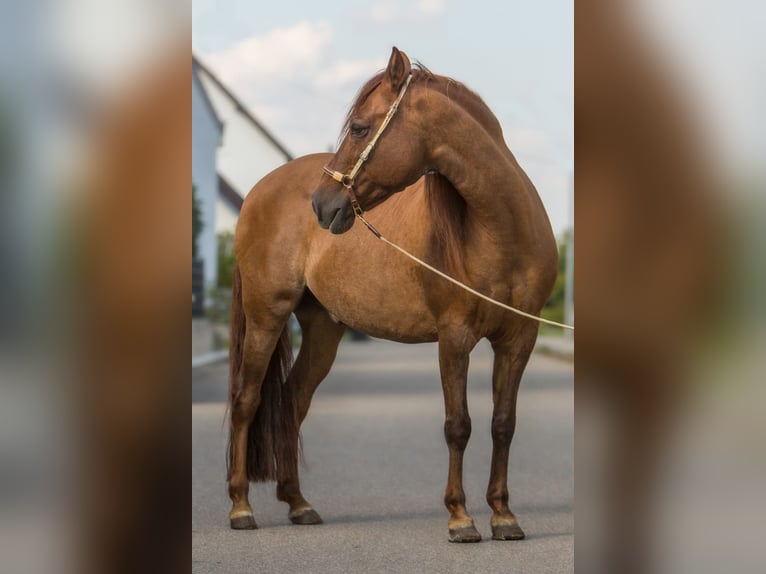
{"points": [[503, 209]]}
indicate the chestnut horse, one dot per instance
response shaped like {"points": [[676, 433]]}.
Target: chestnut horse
{"points": [[465, 206]]}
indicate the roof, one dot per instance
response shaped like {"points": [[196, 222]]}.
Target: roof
{"points": [[226, 191], [205, 97], [241, 108]]}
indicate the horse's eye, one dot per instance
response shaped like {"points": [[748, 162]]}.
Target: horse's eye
{"points": [[359, 130]]}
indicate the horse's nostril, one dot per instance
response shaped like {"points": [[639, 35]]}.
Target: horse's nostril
{"points": [[325, 214]]}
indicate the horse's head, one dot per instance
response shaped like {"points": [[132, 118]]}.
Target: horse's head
{"points": [[380, 153]]}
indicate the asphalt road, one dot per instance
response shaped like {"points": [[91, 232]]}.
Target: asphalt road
{"points": [[377, 467]]}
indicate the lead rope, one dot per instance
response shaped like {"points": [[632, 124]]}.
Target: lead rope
{"points": [[378, 234]]}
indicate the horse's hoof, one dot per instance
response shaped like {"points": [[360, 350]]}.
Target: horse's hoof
{"points": [[510, 531], [464, 534], [243, 522], [305, 516]]}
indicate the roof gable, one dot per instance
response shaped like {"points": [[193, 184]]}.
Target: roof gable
{"points": [[227, 192], [240, 107], [205, 96]]}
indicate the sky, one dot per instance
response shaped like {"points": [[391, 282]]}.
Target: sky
{"points": [[297, 65]]}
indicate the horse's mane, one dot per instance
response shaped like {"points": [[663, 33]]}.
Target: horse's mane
{"points": [[448, 216], [445, 204]]}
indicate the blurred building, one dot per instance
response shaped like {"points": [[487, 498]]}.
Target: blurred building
{"points": [[231, 151]]}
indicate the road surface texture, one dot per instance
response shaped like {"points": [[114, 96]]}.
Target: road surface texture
{"points": [[376, 468]]}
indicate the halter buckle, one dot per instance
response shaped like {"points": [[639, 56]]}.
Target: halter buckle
{"points": [[366, 153], [358, 211]]}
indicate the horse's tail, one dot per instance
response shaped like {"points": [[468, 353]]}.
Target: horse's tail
{"points": [[273, 439]]}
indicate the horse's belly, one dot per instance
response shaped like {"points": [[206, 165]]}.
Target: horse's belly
{"points": [[381, 327], [385, 305]]}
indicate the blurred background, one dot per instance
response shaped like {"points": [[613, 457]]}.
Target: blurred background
{"points": [[669, 203], [94, 165]]}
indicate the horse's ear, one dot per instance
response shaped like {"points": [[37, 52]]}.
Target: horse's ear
{"points": [[398, 69]]}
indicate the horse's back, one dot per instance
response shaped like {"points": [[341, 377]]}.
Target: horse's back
{"points": [[289, 184]]}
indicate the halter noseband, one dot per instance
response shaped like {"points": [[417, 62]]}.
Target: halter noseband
{"points": [[347, 180]]}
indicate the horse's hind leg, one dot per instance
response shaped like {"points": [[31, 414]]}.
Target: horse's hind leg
{"points": [[511, 356], [259, 347], [321, 336]]}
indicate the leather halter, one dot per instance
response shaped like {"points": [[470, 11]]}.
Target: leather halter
{"points": [[347, 180]]}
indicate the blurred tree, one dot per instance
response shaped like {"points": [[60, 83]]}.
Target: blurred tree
{"points": [[225, 259], [554, 308], [218, 307], [197, 224]]}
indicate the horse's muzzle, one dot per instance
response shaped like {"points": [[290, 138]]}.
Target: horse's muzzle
{"points": [[333, 210]]}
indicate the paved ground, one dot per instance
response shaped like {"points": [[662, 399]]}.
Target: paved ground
{"points": [[376, 471]]}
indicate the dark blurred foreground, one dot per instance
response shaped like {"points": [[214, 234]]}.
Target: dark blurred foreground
{"points": [[94, 253], [96, 142]]}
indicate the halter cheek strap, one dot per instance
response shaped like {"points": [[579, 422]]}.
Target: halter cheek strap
{"points": [[347, 180]]}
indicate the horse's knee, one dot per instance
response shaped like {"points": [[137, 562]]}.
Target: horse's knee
{"points": [[503, 427], [457, 431]]}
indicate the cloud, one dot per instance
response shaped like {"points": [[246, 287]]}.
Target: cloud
{"points": [[281, 53], [345, 72], [293, 82], [384, 12], [388, 12], [431, 7]]}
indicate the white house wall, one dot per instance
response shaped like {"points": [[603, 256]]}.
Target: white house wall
{"points": [[246, 155], [205, 139], [225, 216]]}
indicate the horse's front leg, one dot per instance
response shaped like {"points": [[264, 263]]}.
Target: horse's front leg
{"points": [[453, 364], [511, 356]]}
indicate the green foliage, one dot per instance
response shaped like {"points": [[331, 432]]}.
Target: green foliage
{"points": [[218, 307], [225, 259], [197, 224], [219, 297], [554, 308]]}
